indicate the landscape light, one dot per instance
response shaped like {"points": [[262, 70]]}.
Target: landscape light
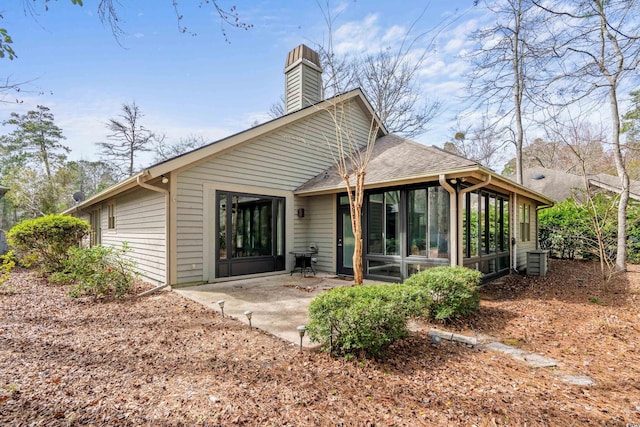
{"points": [[249, 313], [221, 304], [301, 331]]}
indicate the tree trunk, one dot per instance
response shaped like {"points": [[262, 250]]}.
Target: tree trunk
{"points": [[621, 252], [356, 223], [517, 94]]}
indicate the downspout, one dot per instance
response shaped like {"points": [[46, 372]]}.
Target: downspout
{"points": [[453, 246], [459, 202], [167, 207]]}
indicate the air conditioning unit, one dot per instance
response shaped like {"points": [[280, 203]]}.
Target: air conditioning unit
{"points": [[537, 263]]}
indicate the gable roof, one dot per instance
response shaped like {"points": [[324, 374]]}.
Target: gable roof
{"points": [[559, 185], [399, 161], [393, 159], [197, 155], [3, 191]]}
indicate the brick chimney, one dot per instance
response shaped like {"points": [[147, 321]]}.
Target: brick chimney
{"points": [[303, 79]]}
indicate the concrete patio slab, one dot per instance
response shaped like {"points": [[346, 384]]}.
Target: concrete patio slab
{"points": [[279, 303]]}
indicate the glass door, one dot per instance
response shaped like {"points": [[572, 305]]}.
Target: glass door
{"points": [[346, 241]]}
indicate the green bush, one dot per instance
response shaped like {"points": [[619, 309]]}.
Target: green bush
{"points": [[454, 290], [48, 238], [7, 264], [364, 318], [100, 271], [567, 230]]}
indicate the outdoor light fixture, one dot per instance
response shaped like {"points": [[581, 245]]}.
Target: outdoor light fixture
{"points": [[301, 331], [301, 213], [221, 304], [164, 179], [580, 282], [249, 313]]}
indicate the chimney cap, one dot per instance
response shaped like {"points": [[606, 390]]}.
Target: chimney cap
{"points": [[303, 53]]}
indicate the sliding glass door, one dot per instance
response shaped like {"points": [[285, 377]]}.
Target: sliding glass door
{"points": [[250, 230]]}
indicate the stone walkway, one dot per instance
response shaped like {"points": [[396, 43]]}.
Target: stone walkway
{"points": [[531, 359]]}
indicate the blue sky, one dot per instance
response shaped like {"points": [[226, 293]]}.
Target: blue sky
{"points": [[201, 85]]}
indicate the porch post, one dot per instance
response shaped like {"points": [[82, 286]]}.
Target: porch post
{"points": [[453, 223]]}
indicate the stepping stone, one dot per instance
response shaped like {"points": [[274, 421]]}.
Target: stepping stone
{"points": [[531, 359], [581, 380]]}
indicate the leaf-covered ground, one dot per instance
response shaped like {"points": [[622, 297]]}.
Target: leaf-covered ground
{"points": [[164, 360]]}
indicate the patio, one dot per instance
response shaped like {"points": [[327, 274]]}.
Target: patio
{"points": [[279, 303]]}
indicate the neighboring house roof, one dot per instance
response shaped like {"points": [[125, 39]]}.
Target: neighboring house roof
{"points": [[396, 161], [3, 191], [559, 185], [197, 155]]}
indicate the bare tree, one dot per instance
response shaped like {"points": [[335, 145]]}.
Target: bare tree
{"points": [[351, 152], [164, 150], [597, 49], [579, 137], [481, 143], [555, 154], [109, 13], [388, 78], [130, 138], [507, 57]]}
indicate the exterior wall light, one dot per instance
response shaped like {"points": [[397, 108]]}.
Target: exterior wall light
{"points": [[301, 213]]}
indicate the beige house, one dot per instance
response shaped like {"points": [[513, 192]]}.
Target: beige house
{"points": [[239, 206]]}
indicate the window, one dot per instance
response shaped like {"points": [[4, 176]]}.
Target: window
{"points": [[525, 222], [438, 222], [384, 223], [111, 216], [428, 222], [485, 223]]}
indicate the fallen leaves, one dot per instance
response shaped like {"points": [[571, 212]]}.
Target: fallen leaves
{"points": [[165, 360]]}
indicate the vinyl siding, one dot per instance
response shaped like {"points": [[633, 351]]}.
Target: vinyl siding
{"points": [[274, 164], [140, 221], [321, 218], [303, 87]]}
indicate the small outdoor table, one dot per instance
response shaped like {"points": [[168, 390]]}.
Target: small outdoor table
{"points": [[303, 261]]}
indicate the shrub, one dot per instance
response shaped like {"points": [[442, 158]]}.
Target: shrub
{"points": [[98, 271], [7, 264], [454, 290], [363, 318], [48, 238]]}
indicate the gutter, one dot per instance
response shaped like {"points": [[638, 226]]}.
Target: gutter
{"points": [[167, 206]]}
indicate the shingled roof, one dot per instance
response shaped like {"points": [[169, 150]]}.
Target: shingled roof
{"points": [[559, 185], [394, 159]]}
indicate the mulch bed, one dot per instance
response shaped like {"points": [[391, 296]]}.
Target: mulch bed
{"points": [[164, 360]]}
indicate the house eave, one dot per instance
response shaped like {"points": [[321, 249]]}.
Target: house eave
{"points": [[118, 188], [475, 172], [215, 148]]}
